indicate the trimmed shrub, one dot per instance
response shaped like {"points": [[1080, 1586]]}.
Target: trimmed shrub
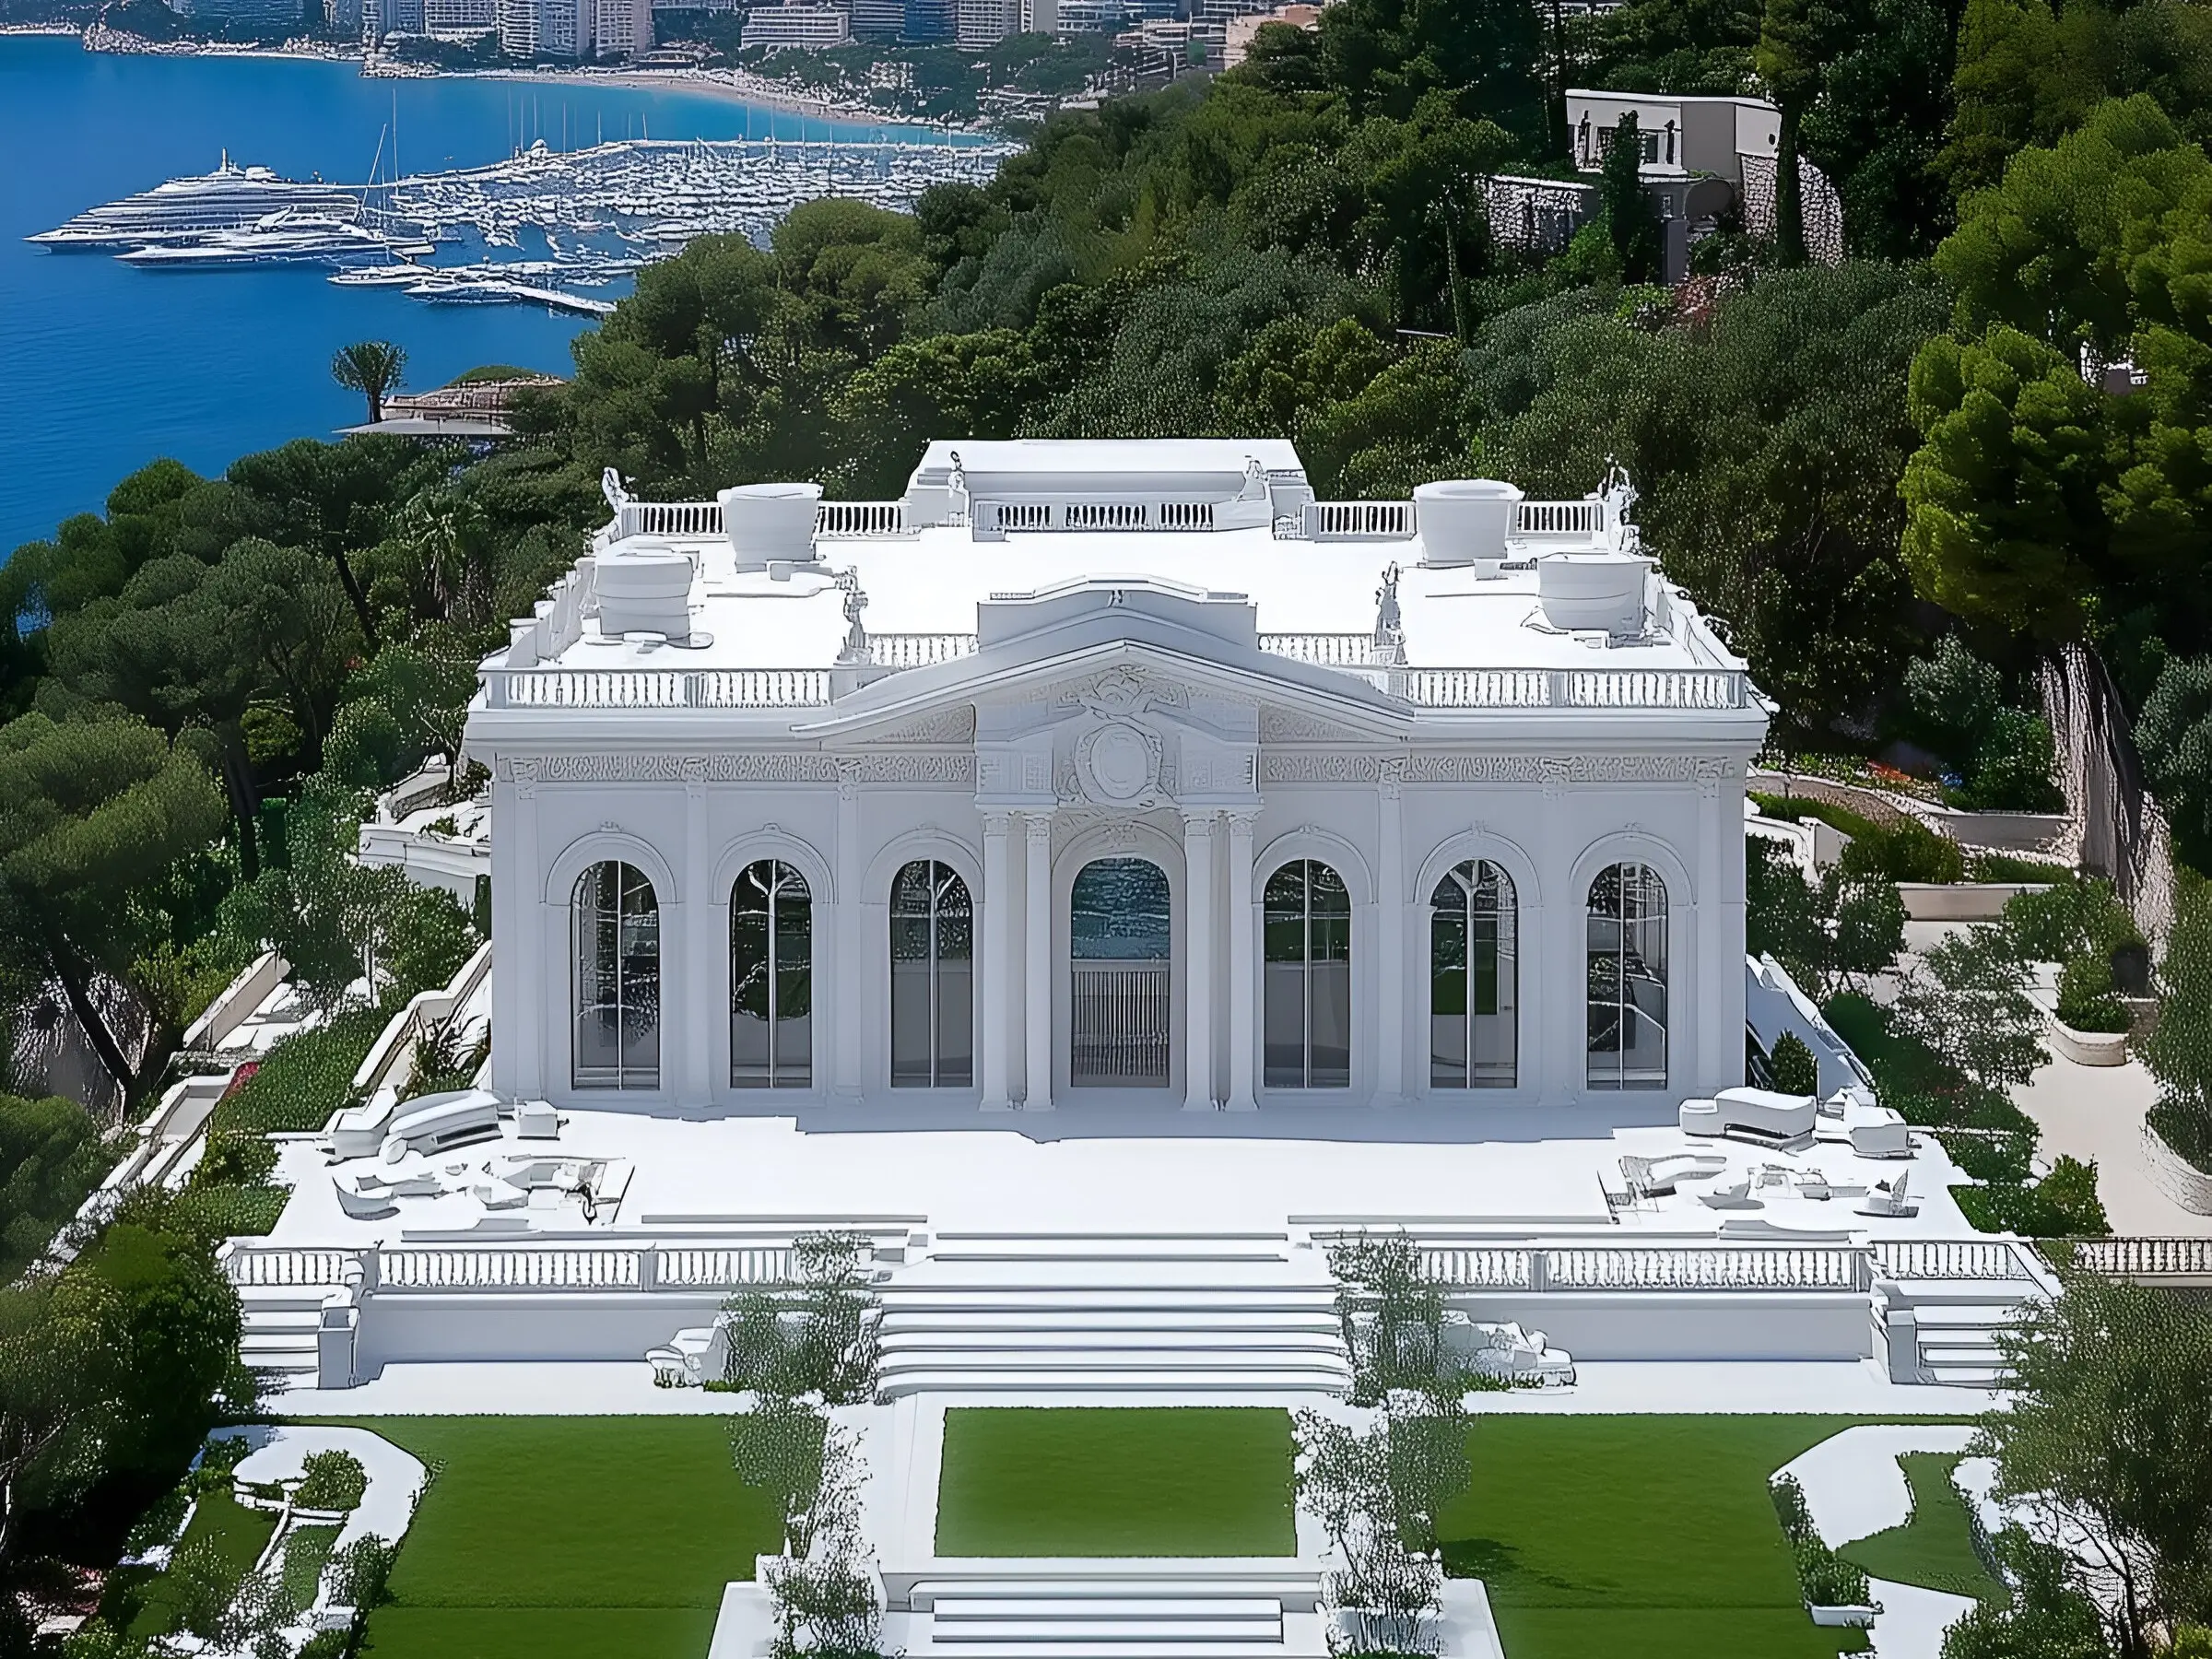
{"points": [[2086, 1001], [1792, 1067], [331, 1480], [305, 1079]]}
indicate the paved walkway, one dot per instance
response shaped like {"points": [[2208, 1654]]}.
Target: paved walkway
{"points": [[2095, 1112]]}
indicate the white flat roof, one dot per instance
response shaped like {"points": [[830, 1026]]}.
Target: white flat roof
{"points": [[931, 582]]}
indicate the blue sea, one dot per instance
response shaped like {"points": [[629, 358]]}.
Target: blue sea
{"points": [[104, 367]]}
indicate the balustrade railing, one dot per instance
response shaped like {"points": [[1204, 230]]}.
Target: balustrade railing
{"points": [[1560, 519], [1478, 687], [1571, 687], [1841, 1267], [721, 1266], [836, 520], [259, 1265], [655, 688], [412, 1267], [1949, 1259], [1360, 521], [918, 649], [2144, 1258], [1120, 1024], [475, 1268], [1327, 650]]}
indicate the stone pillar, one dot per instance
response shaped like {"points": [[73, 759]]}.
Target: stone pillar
{"points": [[848, 1046], [1244, 982], [1389, 939], [532, 996], [998, 981], [691, 1076], [1198, 960], [1037, 960]]}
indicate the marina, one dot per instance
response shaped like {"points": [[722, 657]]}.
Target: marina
{"points": [[597, 212]]}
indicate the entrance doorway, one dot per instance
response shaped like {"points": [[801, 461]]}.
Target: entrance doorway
{"points": [[1121, 943]]}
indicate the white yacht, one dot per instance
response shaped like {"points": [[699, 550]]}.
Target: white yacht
{"points": [[185, 210]]}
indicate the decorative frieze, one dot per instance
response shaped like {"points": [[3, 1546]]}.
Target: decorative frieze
{"points": [[1467, 766]]}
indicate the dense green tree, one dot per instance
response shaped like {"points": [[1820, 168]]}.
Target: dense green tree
{"points": [[1631, 222], [2048, 1615], [2109, 1427], [1966, 999], [91, 812], [1700, 47], [2005, 54], [2004, 516], [975, 386], [50, 1157], [1832, 934], [2174, 734], [1385, 53], [1875, 128]]}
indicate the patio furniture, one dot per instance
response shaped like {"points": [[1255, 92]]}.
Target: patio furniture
{"points": [[1508, 1351], [367, 1195], [535, 1119], [430, 1124], [1656, 1177], [1888, 1198], [358, 1130], [1761, 1115], [1735, 1197]]}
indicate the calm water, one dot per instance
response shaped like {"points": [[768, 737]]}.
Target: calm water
{"points": [[103, 367]]}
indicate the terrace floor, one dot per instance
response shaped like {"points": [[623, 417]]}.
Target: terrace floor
{"points": [[1129, 1169]]}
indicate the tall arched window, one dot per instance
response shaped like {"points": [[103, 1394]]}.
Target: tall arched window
{"points": [[1474, 979], [932, 960], [1627, 927], [772, 978], [616, 923], [1307, 1027]]}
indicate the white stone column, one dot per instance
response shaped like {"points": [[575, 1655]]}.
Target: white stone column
{"points": [[1037, 960], [1199, 925], [998, 983], [1244, 983], [532, 1001], [1390, 938], [691, 1078], [848, 1043]]}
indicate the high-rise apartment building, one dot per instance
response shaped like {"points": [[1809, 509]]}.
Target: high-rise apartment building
{"points": [[987, 22], [622, 29]]}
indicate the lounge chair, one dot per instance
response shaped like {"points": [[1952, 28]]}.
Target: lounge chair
{"points": [[1656, 1177], [367, 1195], [1735, 1197], [1888, 1198], [1760, 1115], [430, 1124]]}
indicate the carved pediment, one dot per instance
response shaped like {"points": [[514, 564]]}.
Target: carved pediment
{"points": [[954, 724], [1278, 724]]}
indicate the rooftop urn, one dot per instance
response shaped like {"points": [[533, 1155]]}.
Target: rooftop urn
{"points": [[1464, 521], [1605, 590], [643, 587], [770, 522]]}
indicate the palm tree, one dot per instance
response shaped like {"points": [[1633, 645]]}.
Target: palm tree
{"points": [[371, 368]]}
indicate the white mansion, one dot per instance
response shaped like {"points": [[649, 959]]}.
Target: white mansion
{"points": [[1127, 772]]}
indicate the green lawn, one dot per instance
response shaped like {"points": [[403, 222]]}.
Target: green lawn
{"points": [[1133, 1481], [1936, 1549], [568, 1538], [135, 1598], [1650, 1536]]}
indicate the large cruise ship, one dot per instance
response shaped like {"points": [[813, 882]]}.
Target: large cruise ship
{"points": [[185, 210]]}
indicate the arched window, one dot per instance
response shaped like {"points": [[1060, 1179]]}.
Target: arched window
{"points": [[772, 978], [1474, 979], [1121, 943], [932, 960], [1307, 1027], [1627, 928], [617, 924]]}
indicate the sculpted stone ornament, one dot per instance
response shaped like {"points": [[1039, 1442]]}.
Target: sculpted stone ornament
{"points": [[1118, 764]]}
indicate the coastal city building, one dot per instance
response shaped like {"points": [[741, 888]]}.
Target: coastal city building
{"points": [[985, 22], [1238, 31], [459, 19], [796, 24], [622, 29], [879, 20], [278, 12]]}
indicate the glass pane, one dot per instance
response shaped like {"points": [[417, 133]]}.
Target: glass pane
{"points": [[1119, 911], [1283, 1031], [956, 1025], [1330, 1033], [616, 957]]}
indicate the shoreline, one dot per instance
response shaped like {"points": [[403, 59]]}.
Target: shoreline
{"points": [[729, 86]]}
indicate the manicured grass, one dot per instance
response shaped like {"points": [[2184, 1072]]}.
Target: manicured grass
{"points": [[1650, 1536], [1135, 1481], [134, 1597], [1936, 1549], [569, 1539]]}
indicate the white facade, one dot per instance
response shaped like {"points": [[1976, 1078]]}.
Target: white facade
{"points": [[1380, 758], [622, 29], [796, 25]]}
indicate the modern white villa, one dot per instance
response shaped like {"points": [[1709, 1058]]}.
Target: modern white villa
{"points": [[1104, 773]]}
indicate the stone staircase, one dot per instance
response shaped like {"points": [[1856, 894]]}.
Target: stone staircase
{"points": [[1139, 1609], [1126, 1313], [278, 1335], [1956, 1325]]}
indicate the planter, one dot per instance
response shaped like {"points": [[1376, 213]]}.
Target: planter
{"points": [[1464, 521], [1958, 901], [2175, 1176], [1852, 1618], [2087, 1048]]}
